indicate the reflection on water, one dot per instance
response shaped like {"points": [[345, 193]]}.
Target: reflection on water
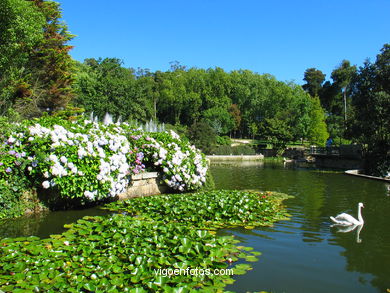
{"points": [[347, 229], [306, 254], [44, 224]]}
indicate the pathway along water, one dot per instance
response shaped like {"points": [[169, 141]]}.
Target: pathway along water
{"points": [[301, 255], [305, 254]]}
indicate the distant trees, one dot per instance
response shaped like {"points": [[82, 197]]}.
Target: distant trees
{"points": [[240, 103], [342, 77], [357, 105], [333, 95], [103, 86]]}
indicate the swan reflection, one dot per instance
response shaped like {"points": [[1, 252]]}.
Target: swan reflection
{"points": [[346, 229]]}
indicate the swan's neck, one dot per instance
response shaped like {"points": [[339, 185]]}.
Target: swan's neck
{"points": [[360, 218]]}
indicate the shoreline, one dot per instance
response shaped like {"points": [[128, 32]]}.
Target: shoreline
{"points": [[355, 172], [235, 157]]}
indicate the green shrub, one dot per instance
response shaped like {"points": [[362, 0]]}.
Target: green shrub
{"points": [[203, 136], [83, 162], [13, 180], [224, 140], [181, 130]]}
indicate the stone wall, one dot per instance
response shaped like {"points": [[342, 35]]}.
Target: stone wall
{"points": [[144, 184], [336, 162], [235, 158]]}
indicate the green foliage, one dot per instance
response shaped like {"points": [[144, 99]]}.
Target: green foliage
{"points": [[80, 162], [223, 140], [17, 198], [181, 130], [13, 181], [234, 103], [219, 119], [342, 77], [217, 208], [234, 150], [314, 79], [119, 254], [123, 253], [35, 66], [318, 133], [202, 135], [344, 74], [277, 131], [370, 124], [103, 86], [210, 183], [21, 25], [21, 30], [51, 63]]}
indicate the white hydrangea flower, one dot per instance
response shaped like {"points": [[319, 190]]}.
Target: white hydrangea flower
{"points": [[46, 184]]}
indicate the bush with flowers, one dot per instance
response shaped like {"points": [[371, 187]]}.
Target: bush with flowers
{"points": [[90, 162]]}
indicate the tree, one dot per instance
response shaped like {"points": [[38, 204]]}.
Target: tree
{"points": [[342, 76], [51, 65], [43, 81], [202, 135], [371, 103], [103, 85], [219, 119], [276, 131], [235, 112], [314, 79], [318, 133], [21, 31]]}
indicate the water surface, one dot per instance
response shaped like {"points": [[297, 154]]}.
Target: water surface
{"points": [[301, 255], [305, 254]]}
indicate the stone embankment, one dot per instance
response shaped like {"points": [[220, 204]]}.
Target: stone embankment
{"points": [[213, 158], [144, 184], [357, 172]]}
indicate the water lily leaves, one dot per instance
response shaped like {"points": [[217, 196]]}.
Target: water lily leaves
{"points": [[120, 253], [251, 258], [217, 208], [241, 269], [201, 233]]}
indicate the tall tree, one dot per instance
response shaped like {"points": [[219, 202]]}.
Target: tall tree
{"points": [[51, 63], [371, 102], [35, 55], [314, 79], [21, 31], [342, 76]]}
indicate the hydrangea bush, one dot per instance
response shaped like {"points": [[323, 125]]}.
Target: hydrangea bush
{"points": [[92, 161], [184, 167]]}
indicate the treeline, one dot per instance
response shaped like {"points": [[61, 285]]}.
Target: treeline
{"points": [[37, 75], [357, 106], [238, 103]]}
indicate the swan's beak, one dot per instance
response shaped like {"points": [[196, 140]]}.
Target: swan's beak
{"points": [[362, 205]]}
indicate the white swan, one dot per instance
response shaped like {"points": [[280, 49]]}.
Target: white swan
{"points": [[347, 220]]}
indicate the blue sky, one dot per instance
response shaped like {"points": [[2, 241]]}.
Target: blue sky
{"points": [[282, 38]]}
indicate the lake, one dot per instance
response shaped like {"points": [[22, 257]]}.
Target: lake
{"points": [[305, 254]]}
